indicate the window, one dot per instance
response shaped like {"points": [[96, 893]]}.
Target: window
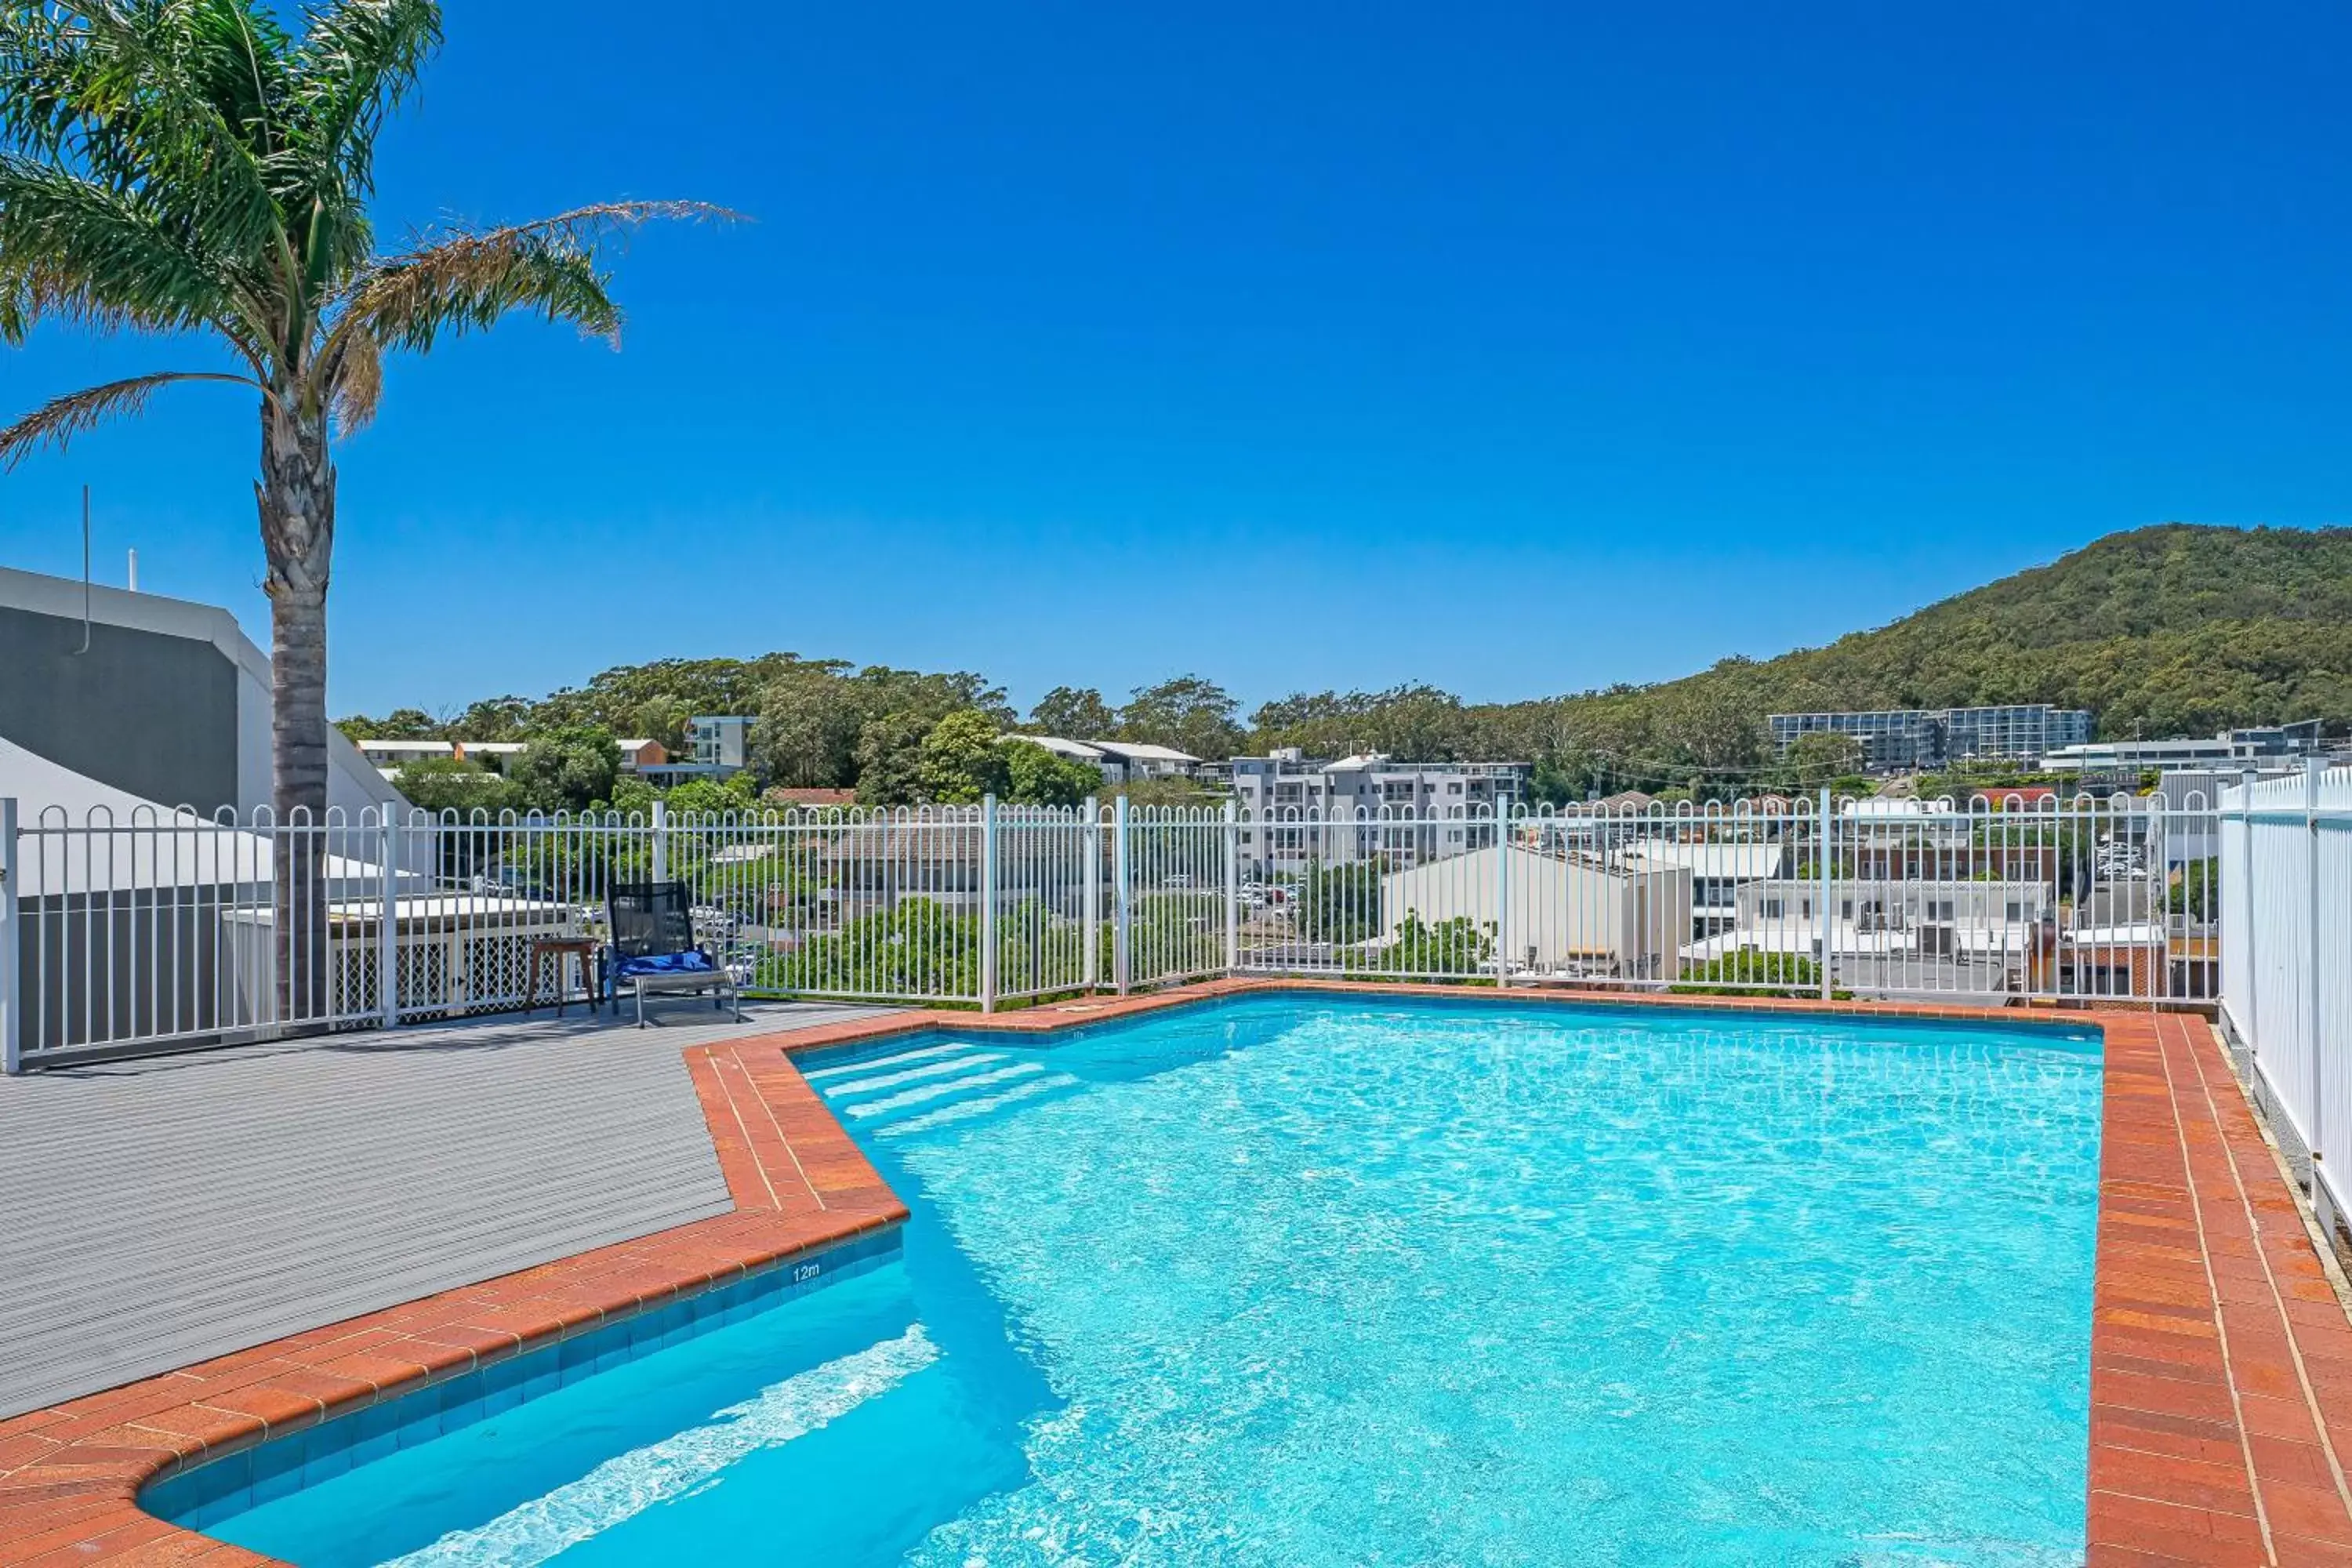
{"points": [[1942, 909], [1774, 909], [2016, 909]]}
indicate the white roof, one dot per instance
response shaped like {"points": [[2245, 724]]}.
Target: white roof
{"points": [[635, 745], [1799, 936], [496, 748], [1723, 862], [404, 748], [1135, 752], [1894, 806], [1059, 747]]}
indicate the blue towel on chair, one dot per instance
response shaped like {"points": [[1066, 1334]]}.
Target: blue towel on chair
{"points": [[692, 962]]}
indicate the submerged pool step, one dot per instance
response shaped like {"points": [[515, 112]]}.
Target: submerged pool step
{"points": [[627, 1485], [1034, 1092], [886, 1075], [924, 1095], [875, 1064]]}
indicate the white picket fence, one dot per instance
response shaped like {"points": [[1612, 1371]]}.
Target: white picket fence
{"points": [[2286, 966], [168, 930]]}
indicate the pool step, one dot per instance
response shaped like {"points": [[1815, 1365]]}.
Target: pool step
{"points": [[627, 1485], [933, 1086]]}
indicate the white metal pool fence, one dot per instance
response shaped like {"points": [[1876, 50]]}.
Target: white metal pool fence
{"points": [[165, 930], [2286, 961]]}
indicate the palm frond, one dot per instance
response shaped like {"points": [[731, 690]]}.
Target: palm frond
{"points": [[355, 382], [164, 100], [356, 63], [59, 420], [72, 248], [466, 281]]}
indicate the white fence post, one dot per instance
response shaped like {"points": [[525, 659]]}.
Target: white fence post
{"points": [[387, 928], [1824, 851], [1122, 960], [988, 903], [1502, 892], [1233, 887], [2311, 779], [12, 994], [661, 842], [1090, 896]]}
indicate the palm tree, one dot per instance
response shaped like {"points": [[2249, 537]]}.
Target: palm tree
{"points": [[193, 168]]}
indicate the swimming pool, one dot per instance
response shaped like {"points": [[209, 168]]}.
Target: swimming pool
{"points": [[1308, 1279]]}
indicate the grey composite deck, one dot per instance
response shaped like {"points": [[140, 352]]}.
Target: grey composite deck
{"points": [[156, 1213]]}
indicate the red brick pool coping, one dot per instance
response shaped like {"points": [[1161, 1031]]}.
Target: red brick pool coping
{"points": [[2220, 1355]]}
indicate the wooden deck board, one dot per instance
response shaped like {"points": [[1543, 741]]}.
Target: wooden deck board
{"points": [[158, 1212]]}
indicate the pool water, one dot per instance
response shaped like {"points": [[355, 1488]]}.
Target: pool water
{"points": [[1306, 1280]]}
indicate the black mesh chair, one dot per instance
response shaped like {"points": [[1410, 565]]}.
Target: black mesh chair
{"points": [[652, 948]]}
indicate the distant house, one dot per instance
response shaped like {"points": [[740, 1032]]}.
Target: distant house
{"points": [[785, 796], [1569, 915], [389, 756], [1922, 919], [2013, 797], [1119, 761], [719, 747], [1718, 872], [1113, 771], [495, 755], [1623, 800], [1138, 761], [639, 754]]}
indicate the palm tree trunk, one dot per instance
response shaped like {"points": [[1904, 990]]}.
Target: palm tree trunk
{"points": [[296, 499]]}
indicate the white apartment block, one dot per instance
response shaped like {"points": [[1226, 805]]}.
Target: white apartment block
{"points": [[1297, 810]]}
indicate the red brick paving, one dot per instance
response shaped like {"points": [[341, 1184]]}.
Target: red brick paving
{"points": [[2220, 1356]]}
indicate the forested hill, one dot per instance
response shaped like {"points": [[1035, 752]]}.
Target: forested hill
{"points": [[2174, 628], [2166, 630]]}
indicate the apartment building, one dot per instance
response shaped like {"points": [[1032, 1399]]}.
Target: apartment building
{"points": [[2228, 751], [1897, 740], [718, 746], [1297, 809]]}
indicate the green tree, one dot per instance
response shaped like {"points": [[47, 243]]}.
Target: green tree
{"points": [[1035, 776], [712, 797], [810, 715], [493, 719], [1073, 713], [1192, 715], [1751, 971], [199, 171], [960, 762], [2197, 891], [1340, 904], [1815, 759], [1453, 947], [567, 769], [447, 784], [890, 759], [400, 724]]}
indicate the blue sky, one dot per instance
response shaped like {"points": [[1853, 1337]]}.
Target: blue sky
{"points": [[1308, 345]]}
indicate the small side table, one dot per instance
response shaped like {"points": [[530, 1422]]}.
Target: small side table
{"points": [[557, 947]]}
